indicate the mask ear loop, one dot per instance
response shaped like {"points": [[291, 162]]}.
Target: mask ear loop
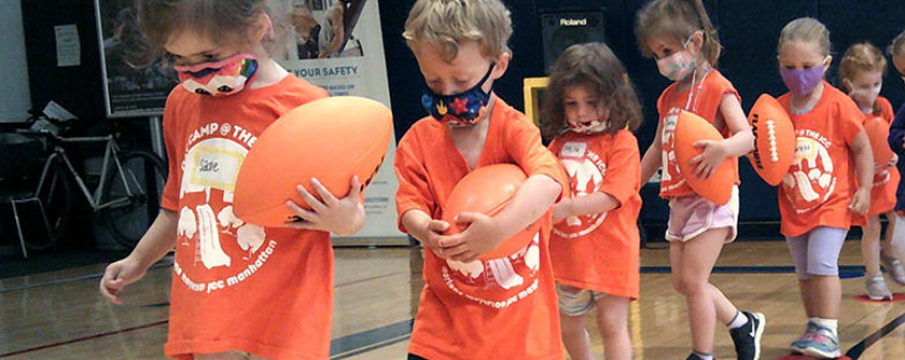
{"points": [[270, 32]]}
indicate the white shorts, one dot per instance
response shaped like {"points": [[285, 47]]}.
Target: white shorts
{"points": [[692, 215]]}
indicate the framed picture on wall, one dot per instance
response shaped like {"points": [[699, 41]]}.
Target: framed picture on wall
{"points": [[133, 85]]}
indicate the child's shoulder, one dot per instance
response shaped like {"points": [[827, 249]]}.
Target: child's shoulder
{"points": [[298, 88]]}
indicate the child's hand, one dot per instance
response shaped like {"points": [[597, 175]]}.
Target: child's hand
{"points": [[435, 231], [118, 275], [562, 210], [710, 159], [480, 237], [340, 216], [861, 201]]}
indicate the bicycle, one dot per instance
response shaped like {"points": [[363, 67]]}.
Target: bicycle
{"points": [[126, 199]]}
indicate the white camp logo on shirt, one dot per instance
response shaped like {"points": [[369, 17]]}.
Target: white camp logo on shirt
{"points": [[667, 147], [811, 179], [496, 283], [586, 172], [211, 230]]}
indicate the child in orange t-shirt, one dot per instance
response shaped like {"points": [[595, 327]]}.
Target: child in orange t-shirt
{"points": [[502, 308], [679, 34], [816, 197], [861, 76], [239, 290], [591, 109]]}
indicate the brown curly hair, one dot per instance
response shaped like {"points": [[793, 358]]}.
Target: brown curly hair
{"points": [[861, 57], [220, 20], [593, 65]]}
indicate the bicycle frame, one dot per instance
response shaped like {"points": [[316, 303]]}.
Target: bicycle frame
{"points": [[111, 151]]}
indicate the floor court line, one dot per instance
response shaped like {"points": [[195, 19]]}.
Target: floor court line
{"points": [[855, 352], [86, 338]]}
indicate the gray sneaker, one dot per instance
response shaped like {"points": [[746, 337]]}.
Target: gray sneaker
{"points": [[822, 344], [802, 342], [893, 267], [877, 289]]}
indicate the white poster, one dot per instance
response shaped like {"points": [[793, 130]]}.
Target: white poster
{"points": [[337, 45]]}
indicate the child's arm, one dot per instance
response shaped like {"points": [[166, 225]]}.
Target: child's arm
{"points": [[342, 217], [157, 241], [621, 183], [896, 138], [864, 170], [652, 157], [740, 143], [485, 233]]}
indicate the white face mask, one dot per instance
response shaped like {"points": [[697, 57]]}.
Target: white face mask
{"points": [[678, 66], [866, 95]]}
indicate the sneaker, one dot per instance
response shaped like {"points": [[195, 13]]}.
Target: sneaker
{"points": [[694, 356], [747, 338], [800, 344], [877, 289], [893, 267], [822, 344]]}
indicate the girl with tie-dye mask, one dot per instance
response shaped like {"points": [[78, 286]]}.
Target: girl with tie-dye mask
{"points": [[239, 290]]}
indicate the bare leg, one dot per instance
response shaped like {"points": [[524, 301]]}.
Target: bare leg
{"points": [[612, 320]]}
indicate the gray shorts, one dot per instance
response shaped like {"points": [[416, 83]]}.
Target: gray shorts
{"points": [[816, 252], [574, 301]]}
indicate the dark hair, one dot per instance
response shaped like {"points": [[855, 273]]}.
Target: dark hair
{"points": [[677, 19], [220, 20], [593, 65]]}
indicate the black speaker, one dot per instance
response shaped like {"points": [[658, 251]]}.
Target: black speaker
{"points": [[563, 29]]}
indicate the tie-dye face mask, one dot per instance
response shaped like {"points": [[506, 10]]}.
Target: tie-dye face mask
{"points": [[222, 78]]}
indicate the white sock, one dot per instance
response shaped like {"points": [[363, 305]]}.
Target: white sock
{"points": [[831, 324], [704, 356], [738, 321]]}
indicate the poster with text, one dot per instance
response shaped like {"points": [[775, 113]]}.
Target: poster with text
{"points": [[133, 86], [337, 45]]}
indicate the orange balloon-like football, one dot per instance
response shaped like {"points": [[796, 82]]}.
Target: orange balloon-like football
{"points": [[331, 139], [488, 190], [690, 129], [774, 140], [877, 131]]}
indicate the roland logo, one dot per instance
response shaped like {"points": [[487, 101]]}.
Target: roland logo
{"points": [[573, 22]]}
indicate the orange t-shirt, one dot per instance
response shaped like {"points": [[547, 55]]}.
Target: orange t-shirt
{"points": [[497, 309], [883, 195], [818, 188], [705, 102], [238, 286], [600, 251]]}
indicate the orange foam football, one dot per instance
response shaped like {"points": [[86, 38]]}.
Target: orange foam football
{"points": [[331, 139], [690, 129], [774, 139], [877, 131], [488, 190]]}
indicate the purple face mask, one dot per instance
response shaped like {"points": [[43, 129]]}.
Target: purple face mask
{"points": [[801, 82]]}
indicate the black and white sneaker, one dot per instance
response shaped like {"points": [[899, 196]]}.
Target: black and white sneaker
{"points": [[694, 356], [747, 338]]}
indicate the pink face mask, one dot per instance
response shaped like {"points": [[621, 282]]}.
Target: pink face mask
{"points": [[221, 78]]}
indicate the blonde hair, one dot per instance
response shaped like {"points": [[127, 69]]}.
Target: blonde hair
{"points": [[806, 29], [594, 66], [677, 19], [448, 23], [861, 57], [897, 47]]}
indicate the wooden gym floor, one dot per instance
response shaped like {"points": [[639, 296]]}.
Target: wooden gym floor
{"points": [[59, 315]]}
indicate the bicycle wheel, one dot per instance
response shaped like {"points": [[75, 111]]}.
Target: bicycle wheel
{"points": [[55, 200], [134, 210]]}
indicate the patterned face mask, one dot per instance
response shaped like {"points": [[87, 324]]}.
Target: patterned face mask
{"points": [[222, 78], [588, 127], [466, 108]]}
